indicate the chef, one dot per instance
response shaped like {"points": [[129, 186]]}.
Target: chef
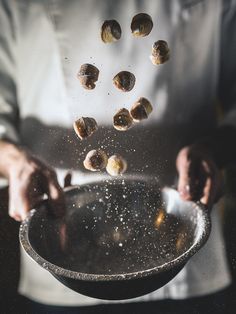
{"points": [[42, 46]]}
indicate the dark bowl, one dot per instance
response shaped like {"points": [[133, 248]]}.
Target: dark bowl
{"points": [[119, 238]]}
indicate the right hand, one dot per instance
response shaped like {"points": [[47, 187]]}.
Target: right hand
{"points": [[29, 179], [199, 177]]}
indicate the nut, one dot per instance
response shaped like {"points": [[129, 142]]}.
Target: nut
{"points": [[141, 109], [141, 25], [116, 165], [160, 52], [84, 127], [95, 160], [110, 31], [88, 75], [122, 120], [124, 81]]}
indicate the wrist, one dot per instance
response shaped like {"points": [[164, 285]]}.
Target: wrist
{"points": [[10, 155]]}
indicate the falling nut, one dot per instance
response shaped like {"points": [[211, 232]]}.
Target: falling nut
{"points": [[141, 109], [88, 75], [116, 165], [122, 120], [124, 81], [141, 25], [110, 31], [160, 52], [84, 127], [95, 160]]}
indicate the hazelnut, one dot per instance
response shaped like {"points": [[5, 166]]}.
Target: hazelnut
{"points": [[122, 120], [84, 127], [95, 160], [141, 25], [116, 165], [88, 75], [110, 31], [124, 81], [141, 109], [160, 52]]}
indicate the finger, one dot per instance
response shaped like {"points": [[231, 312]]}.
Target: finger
{"points": [[184, 185], [56, 195], [62, 234], [182, 165], [212, 184], [67, 179], [13, 214], [57, 200], [36, 187], [198, 176], [19, 204], [207, 193]]}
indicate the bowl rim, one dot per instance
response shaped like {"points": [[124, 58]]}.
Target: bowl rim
{"points": [[60, 271]]}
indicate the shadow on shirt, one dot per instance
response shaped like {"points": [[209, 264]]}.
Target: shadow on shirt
{"points": [[149, 150]]}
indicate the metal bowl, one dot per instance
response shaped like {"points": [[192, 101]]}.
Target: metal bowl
{"points": [[119, 238]]}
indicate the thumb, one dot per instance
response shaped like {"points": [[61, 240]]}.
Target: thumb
{"points": [[56, 197]]}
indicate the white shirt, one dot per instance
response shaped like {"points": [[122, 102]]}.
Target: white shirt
{"points": [[43, 44]]}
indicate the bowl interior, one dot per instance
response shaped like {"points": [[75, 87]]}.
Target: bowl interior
{"points": [[117, 227]]}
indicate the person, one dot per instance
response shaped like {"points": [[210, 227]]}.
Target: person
{"points": [[43, 45]]}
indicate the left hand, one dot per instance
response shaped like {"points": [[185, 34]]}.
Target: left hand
{"points": [[199, 176]]}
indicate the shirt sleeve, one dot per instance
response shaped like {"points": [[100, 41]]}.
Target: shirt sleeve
{"points": [[9, 111], [227, 75]]}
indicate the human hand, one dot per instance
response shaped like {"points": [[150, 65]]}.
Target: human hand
{"points": [[199, 176], [29, 179]]}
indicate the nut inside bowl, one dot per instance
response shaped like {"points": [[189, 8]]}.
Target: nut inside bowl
{"points": [[119, 239]]}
